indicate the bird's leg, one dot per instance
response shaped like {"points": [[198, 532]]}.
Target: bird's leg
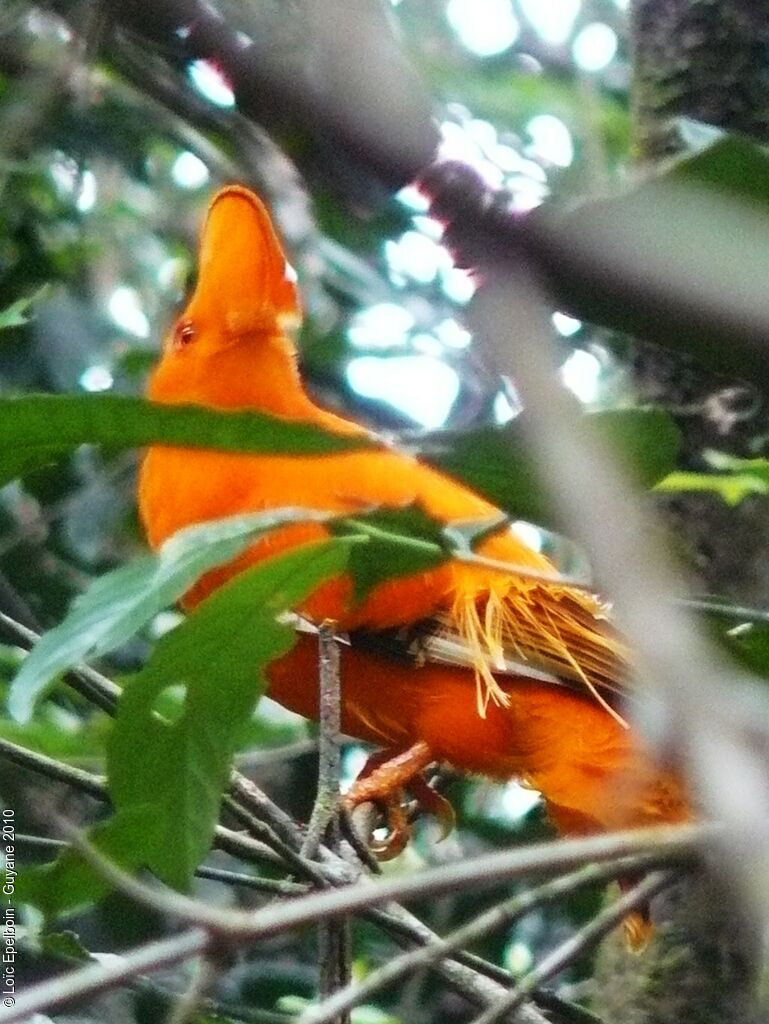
{"points": [[384, 777]]}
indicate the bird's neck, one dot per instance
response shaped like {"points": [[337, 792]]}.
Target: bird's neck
{"points": [[261, 375]]}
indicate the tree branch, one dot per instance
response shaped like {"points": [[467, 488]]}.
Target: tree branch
{"points": [[574, 947], [100, 977], [502, 915]]}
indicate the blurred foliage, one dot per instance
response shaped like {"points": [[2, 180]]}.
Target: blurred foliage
{"points": [[108, 154]]}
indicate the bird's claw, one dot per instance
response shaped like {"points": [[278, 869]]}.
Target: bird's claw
{"points": [[382, 783]]}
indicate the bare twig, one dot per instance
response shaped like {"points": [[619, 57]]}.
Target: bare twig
{"points": [[672, 844], [93, 785], [499, 916], [100, 977], [476, 981], [269, 886], [329, 761], [574, 947], [188, 1003], [333, 936], [89, 683], [264, 832]]}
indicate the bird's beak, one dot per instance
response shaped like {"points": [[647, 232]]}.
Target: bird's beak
{"points": [[244, 283]]}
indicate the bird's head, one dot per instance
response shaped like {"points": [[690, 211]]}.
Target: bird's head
{"points": [[229, 347], [245, 287]]}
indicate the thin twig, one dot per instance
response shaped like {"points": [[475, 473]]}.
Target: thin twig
{"points": [[269, 886], [94, 785], [100, 977], [672, 843], [264, 832], [334, 953], [714, 606], [472, 977], [40, 842], [89, 683], [188, 1003], [574, 947], [329, 760], [502, 915]]}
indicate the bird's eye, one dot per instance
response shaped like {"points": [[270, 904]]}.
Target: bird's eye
{"points": [[184, 333]]}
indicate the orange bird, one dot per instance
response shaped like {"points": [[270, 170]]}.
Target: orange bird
{"points": [[504, 673]]}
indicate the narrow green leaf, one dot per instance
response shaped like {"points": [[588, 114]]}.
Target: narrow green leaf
{"points": [[734, 478], [497, 463], [28, 425], [119, 603], [219, 654], [18, 313], [731, 487]]}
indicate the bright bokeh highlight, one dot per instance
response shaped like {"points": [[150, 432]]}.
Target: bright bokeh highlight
{"points": [[452, 334], [189, 171], [96, 378], [385, 325], [422, 387], [552, 20], [532, 536], [86, 199], [581, 375], [416, 256], [595, 47], [211, 83], [567, 326], [126, 311], [484, 27], [551, 140]]}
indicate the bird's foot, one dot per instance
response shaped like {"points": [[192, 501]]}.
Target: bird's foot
{"points": [[383, 782]]}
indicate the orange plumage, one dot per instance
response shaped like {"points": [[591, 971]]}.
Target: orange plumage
{"points": [[538, 662]]}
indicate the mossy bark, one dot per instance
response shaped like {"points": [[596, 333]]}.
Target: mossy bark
{"points": [[707, 60], [699, 968], [702, 59]]}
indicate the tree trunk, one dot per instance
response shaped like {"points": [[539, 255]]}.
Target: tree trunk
{"points": [[705, 60]]}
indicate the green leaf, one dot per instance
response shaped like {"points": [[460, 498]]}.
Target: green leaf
{"points": [[28, 425], [119, 603], [66, 945], [496, 461], [732, 487], [78, 740], [646, 440], [735, 480], [17, 314], [219, 654], [399, 542], [749, 644], [70, 882], [732, 165]]}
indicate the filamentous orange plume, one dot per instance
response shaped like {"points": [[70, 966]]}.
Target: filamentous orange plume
{"points": [[498, 672]]}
